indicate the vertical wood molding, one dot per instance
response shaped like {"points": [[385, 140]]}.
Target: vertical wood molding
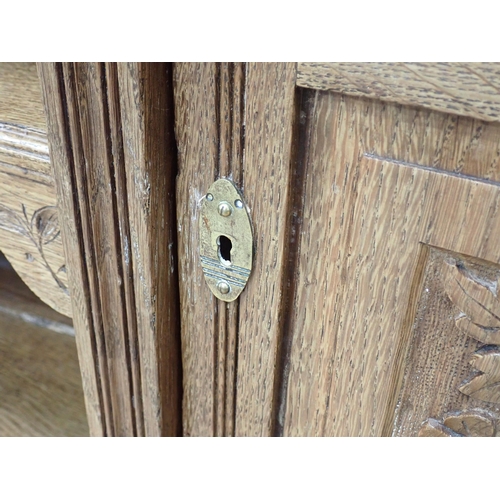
{"points": [[235, 121], [269, 111], [109, 129], [146, 93], [197, 131]]}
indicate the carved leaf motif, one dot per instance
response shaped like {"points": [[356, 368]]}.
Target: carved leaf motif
{"points": [[484, 335], [486, 385], [471, 423], [481, 308], [41, 229], [434, 428], [476, 301], [10, 221], [467, 423], [45, 224]]}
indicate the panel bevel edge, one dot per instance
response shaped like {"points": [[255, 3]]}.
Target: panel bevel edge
{"points": [[404, 343]]}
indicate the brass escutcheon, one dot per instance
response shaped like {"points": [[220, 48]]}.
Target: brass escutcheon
{"points": [[226, 240]]}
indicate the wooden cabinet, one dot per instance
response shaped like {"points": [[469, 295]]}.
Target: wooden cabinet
{"points": [[373, 192], [373, 189]]}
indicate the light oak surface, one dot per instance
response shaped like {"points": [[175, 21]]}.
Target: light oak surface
{"points": [[468, 89], [442, 380], [19, 301], [40, 384], [146, 99], [26, 151], [375, 199], [209, 328], [30, 236], [350, 198], [20, 96], [373, 190], [194, 90]]}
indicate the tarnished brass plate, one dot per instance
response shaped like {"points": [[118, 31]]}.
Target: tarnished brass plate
{"points": [[226, 242]]}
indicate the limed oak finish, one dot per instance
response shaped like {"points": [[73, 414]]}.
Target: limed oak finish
{"points": [[374, 193]]}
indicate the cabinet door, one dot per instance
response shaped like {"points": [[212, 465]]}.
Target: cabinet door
{"points": [[374, 194]]}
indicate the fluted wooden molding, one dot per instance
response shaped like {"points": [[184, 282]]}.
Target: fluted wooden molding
{"points": [[110, 130]]}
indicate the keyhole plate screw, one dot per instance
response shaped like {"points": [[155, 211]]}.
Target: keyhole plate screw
{"points": [[225, 209], [223, 287]]}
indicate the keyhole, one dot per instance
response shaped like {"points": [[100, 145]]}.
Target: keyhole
{"points": [[225, 246]]}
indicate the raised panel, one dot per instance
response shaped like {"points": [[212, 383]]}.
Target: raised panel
{"points": [[383, 184]]}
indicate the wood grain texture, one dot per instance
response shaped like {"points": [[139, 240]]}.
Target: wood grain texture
{"points": [[28, 216], [209, 101], [452, 365], [40, 385], [21, 100], [28, 150], [472, 424], [434, 428], [269, 111], [374, 190], [468, 89], [17, 300], [195, 110], [439, 355], [146, 97], [233, 121], [30, 234], [468, 423], [29, 225], [111, 149], [231, 116]]}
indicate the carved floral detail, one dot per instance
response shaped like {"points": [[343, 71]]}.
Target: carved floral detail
{"points": [[42, 228], [467, 423], [477, 299]]}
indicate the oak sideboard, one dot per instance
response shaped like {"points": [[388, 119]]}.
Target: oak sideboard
{"points": [[341, 280]]}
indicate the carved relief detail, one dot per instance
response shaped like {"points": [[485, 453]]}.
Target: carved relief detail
{"points": [[467, 423], [42, 228], [477, 299]]}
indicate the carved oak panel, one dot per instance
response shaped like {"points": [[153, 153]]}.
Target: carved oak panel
{"points": [[452, 377]]}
